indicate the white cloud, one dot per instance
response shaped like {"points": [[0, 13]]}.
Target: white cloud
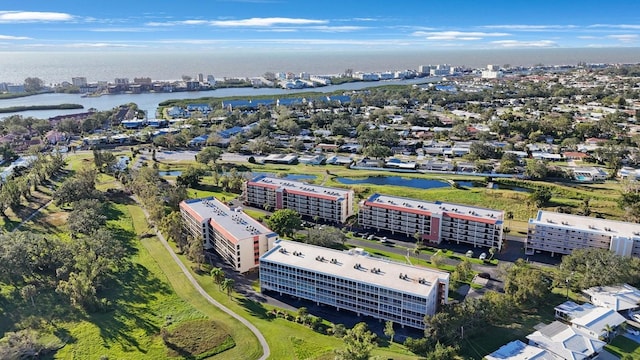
{"points": [[624, 37], [252, 22], [261, 22], [518, 43], [523, 27], [33, 16], [123, 29], [102, 45], [616, 26], [10, 37], [177, 23], [457, 35]]}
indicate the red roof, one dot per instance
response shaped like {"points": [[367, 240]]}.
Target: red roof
{"points": [[193, 213], [574, 154]]}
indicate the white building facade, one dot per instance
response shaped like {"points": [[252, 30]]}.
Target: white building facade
{"points": [[326, 203], [233, 235], [558, 233], [354, 281], [433, 221]]}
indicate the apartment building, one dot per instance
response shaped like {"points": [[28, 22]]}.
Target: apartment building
{"points": [[434, 221], [327, 203], [558, 233], [352, 280], [232, 234]]}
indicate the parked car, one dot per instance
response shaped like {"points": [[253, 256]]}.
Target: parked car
{"points": [[485, 275], [482, 256], [469, 253], [370, 237], [636, 317], [633, 331], [383, 240]]}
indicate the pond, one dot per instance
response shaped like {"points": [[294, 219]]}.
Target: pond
{"points": [[395, 181], [420, 183]]}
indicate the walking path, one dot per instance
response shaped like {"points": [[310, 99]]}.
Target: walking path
{"points": [[266, 352], [33, 214]]}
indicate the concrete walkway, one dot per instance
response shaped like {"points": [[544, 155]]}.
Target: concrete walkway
{"points": [[36, 212], [266, 352]]}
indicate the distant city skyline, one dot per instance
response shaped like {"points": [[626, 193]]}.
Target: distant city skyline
{"points": [[245, 25]]}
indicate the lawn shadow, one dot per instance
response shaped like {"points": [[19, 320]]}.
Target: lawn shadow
{"points": [[131, 290], [255, 308]]}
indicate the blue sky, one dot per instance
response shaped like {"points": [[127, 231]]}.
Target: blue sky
{"points": [[60, 25]]}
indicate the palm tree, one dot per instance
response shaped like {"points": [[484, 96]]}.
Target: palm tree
{"points": [[217, 274], [492, 252], [227, 285], [608, 329]]}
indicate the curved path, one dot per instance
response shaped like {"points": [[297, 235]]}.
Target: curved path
{"points": [[266, 352]]}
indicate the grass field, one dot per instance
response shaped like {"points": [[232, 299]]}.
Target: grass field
{"points": [[602, 196], [622, 346]]}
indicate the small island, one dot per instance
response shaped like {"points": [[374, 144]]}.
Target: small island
{"points": [[40, 107]]}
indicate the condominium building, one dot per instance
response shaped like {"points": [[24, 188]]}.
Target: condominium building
{"points": [[559, 233], [352, 280], [327, 203], [232, 234], [433, 221]]}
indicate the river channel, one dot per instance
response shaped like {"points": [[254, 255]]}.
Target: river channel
{"points": [[149, 101]]}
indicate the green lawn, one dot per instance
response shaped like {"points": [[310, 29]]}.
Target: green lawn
{"points": [[622, 346]]}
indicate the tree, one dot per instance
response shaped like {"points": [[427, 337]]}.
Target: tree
{"points": [[23, 344], [377, 151], [388, 330], [33, 84], [585, 268], [80, 289], [338, 330], [28, 292], [480, 150], [443, 352], [492, 252], [437, 259], [196, 251], [104, 160], [228, 285], [462, 271], [209, 154], [359, 342], [190, 177], [217, 274], [285, 222], [327, 236], [536, 169], [540, 197], [82, 186], [608, 330], [171, 226], [86, 217], [526, 284]]}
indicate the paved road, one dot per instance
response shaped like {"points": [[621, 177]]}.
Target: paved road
{"points": [[266, 352]]}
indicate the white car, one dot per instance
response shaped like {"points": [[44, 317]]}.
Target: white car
{"points": [[383, 240], [482, 256], [633, 331], [636, 317]]}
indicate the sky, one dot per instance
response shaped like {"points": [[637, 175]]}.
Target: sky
{"points": [[68, 25]]}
